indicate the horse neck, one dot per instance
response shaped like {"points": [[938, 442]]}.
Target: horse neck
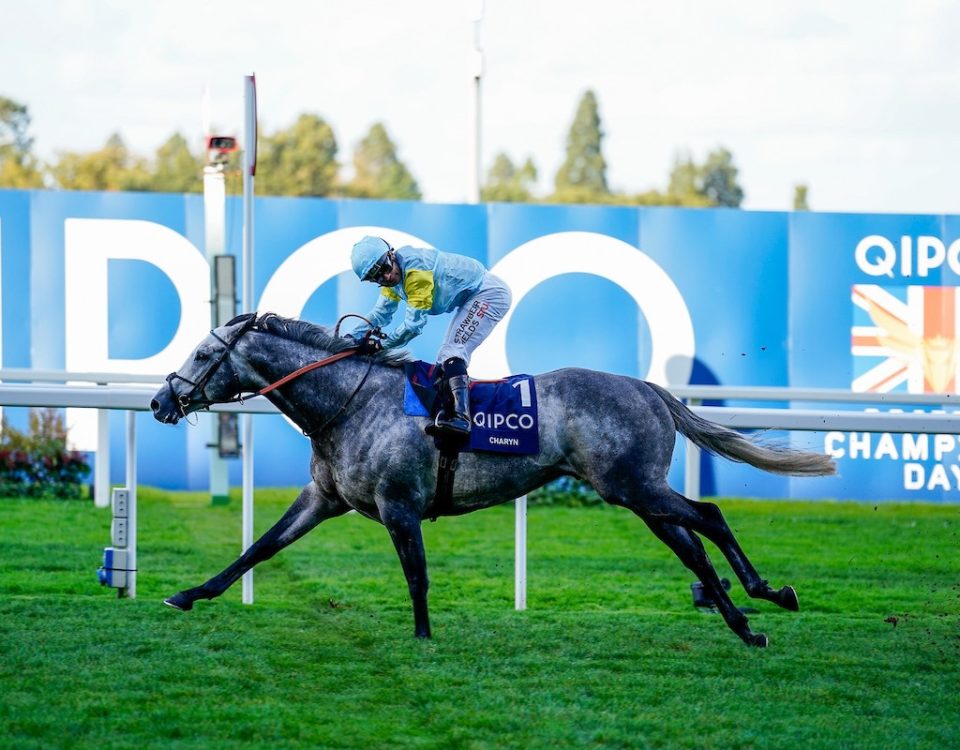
{"points": [[270, 358]]}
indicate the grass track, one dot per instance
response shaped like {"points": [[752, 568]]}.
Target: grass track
{"points": [[610, 653]]}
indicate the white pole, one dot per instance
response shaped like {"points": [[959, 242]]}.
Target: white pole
{"points": [[132, 512], [249, 170], [691, 472], [520, 547], [691, 466], [214, 219], [101, 465], [477, 70]]}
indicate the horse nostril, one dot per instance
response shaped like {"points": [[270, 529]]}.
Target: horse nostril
{"points": [[154, 405]]}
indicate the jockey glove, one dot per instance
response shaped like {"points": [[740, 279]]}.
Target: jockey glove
{"points": [[370, 343]]}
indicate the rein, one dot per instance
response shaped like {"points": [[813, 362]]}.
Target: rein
{"points": [[184, 401], [305, 369], [315, 366]]}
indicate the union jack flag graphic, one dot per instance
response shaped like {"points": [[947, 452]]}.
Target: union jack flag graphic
{"points": [[905, 339]]}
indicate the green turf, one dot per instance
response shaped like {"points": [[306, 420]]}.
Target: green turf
{"points": [[609, 654]]}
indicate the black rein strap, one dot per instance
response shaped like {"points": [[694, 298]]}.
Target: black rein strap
{"points": [[342, 409]]}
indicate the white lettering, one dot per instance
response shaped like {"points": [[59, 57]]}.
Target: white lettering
{"points": [[656, 294], [913, 476], [832, 443], [886, 447], [89, 245], [496, 421], [955, 470], [905, 255], [915, 447], [942, 445], [876, 255], [882, 266], [526, 400], [938, 478], [860, 445], [953, 256], [927, 260]]}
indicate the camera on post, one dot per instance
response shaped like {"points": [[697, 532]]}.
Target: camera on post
{"points": [[219, 148]]}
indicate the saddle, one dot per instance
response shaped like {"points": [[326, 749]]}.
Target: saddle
{"points": [[503, 414]]}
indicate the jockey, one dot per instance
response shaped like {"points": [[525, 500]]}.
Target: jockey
{"points": [[431, 282]]}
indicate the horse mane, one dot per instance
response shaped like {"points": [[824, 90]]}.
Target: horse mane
{"points": [[306, 332]]}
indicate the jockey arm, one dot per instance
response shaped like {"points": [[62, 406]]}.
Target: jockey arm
{"points": [[381, 314], [410, 328], [418, 287]]}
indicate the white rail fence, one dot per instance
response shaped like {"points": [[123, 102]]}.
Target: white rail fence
{"points": [[130, 393], [941, 422]]}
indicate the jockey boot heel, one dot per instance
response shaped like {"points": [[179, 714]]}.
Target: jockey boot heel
{"points": [[454, 420]]}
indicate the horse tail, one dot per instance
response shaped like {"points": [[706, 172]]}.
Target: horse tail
{"points": [[734, 446]]}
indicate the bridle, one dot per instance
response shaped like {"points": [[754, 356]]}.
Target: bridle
{"points": [[189, 399]]}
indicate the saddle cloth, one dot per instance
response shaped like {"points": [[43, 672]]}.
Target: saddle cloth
{"points": [[503, 412]]}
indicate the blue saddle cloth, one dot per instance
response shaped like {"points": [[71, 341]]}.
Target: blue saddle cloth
{"points": [[504, 412]]}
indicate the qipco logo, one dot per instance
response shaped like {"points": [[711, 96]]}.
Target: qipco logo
{"points": [[876, 255]]}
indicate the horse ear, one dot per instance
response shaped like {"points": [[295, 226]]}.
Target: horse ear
{"points": [[245, 318]]}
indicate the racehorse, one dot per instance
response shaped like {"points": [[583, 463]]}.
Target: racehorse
{"points": [[617, 433]]}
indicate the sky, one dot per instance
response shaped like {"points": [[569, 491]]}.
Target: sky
{"points": [[855, 99]]}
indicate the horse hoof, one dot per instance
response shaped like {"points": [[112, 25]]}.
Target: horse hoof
{"points": [[787, 598], [759, 640], [180, 602]]}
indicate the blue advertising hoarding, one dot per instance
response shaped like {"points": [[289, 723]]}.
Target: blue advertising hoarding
{"points": [[118, 282]]}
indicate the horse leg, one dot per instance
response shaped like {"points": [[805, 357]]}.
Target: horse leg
{"points": [[688, 547], [309, 509], [706, 519], [404, 528], [716, 529]]}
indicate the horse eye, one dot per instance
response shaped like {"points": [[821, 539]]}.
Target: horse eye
{"points": [[202, 355]]}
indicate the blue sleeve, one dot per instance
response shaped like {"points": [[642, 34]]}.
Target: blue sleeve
{"points": [[410, 328], [379, 316]]}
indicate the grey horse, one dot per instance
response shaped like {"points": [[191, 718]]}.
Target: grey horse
{"points": [[616, 433]]}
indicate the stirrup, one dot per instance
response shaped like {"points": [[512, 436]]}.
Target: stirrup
{"points": [[449, 426]]}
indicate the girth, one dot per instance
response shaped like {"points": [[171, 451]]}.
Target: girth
{"points": [[446, 474]]}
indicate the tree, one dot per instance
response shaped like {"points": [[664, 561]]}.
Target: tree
{"points": [[507, 184], [686, 183], [720, 184], [800, 198], [378, 171], [14, 125], [113, 167], [582, 177], [19, 168], [301, 160], [176, 169]]}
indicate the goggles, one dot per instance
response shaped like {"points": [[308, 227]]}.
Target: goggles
{"points": [[381, 268]]}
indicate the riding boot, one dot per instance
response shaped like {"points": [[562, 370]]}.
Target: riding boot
{"points": [[454, 419]]}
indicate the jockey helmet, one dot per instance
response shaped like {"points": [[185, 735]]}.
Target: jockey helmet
{"points": [[367, 254]]}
